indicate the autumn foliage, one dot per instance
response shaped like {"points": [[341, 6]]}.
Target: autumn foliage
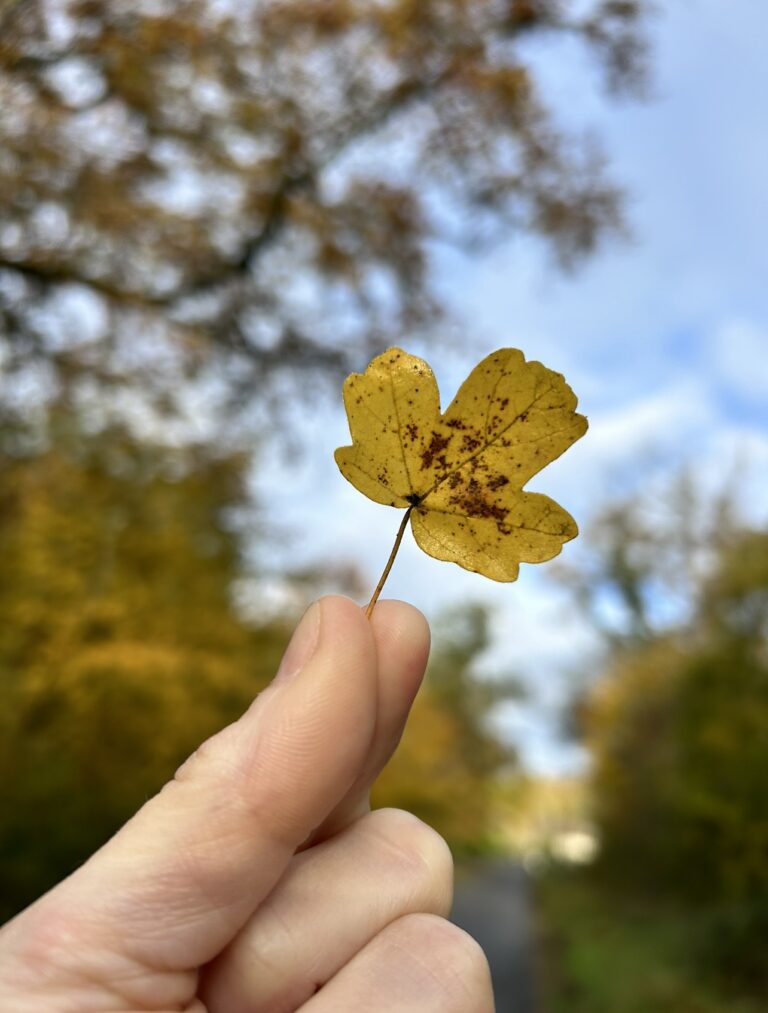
{"points": [[678, 730], [232, 194], [449, 762], [198, 203], [121, 651]]}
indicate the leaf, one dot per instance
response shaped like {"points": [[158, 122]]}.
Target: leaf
{"points": [[462, 473]]}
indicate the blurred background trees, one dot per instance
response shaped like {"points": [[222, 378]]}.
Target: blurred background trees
{"points": [[121, 649], [199, 199], [677, 724], [204, 205], [199, 203], [451, 757]]}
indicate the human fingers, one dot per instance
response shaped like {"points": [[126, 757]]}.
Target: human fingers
{"points": [[401, 634], [332, 900], [176, 884], [417, 964]]}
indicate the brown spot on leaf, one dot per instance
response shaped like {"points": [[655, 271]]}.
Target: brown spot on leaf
{"points": [[497, 482], [472, 503], [436, 446], [412, 430]]}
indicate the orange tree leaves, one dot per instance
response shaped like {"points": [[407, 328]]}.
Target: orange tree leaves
{"points": [[460, 474]]}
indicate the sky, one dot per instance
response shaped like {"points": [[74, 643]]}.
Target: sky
{"points": [[664, 338]]}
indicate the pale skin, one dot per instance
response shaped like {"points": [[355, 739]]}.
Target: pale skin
{"points": [[259, 880]]}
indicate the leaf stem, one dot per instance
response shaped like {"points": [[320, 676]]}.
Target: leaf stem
{"points": [[390, 561]]}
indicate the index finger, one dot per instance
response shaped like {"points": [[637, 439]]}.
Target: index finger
{"points": [[402, 647]]}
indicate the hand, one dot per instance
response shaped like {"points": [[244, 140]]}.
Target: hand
{"points": [[258, 879]]}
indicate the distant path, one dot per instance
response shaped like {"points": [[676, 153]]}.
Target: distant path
{"points": [[493, 904]]}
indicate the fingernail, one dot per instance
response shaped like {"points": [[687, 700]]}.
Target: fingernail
{"points": [[302, 645]]}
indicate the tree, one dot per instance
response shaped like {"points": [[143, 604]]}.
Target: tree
{"points": [[448, 767], [644, 561], [677, 730], [223, 193], [120, 650]]}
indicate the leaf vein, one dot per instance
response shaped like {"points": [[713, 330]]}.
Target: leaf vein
{"points": [[482, 450], [474, 520], [400, 433]]}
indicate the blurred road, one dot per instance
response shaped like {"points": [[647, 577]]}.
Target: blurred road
{"points": [[492, 903]]}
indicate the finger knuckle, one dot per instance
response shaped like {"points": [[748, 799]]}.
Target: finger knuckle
{"points": [[420, 854], [201, 760], [40, 944], [450, 956]]}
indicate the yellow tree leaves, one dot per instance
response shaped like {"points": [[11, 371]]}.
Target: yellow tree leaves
{"points": [[460, 475]]}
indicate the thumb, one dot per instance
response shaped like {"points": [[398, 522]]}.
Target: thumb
{"points": [[177, 882]]}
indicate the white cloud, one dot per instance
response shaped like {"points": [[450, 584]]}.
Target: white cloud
{"points": [[665, 417]]}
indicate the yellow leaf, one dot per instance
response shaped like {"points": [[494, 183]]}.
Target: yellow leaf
{"points": [[461, 474]]}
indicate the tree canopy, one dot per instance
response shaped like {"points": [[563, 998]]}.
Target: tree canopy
{"points": [[224, 192], [450, 762]]}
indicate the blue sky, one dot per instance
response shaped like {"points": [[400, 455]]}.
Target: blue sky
{"points": [[664, 339]]}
